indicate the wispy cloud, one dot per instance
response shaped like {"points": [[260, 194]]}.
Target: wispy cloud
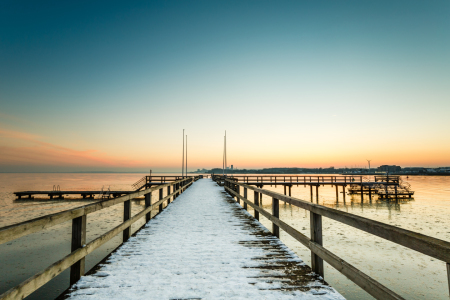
{"points": [[21, 148]]}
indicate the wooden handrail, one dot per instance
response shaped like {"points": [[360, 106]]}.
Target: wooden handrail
{"points": [[33, 283], [427, 245], [15, 231]]}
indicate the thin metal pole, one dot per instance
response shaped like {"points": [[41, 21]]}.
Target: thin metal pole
{"points": [[182, 160], [225, 152], [223, 157], [185, 170]]}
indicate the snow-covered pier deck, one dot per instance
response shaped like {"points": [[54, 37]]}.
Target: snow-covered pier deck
{"points": [[203, 246]]}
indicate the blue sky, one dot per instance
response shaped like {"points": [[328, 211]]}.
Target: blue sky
{"points": [[315, 83]]}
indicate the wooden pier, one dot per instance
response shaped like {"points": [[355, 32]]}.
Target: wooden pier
{"points": [[203, 234], [385, 187], [143, 183]]}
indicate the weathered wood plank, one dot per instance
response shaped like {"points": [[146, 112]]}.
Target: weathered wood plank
{"points": [[126, 216], [315, 222], [276, 214], [78, 240]]}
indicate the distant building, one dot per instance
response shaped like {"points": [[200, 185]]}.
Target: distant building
{"points": [[231, 167], [389, 169]]}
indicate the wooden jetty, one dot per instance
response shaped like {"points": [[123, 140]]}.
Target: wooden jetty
{"points": [[60, 194], [201, 234], [385, 187], [143, 183]]}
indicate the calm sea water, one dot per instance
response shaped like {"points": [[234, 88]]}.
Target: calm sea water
{"points": [[411, 274]]}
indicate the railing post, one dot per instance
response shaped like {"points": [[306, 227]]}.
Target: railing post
{"points": [[148, 202], [256, 201], [448, 276], [245, 196], [316, 237], [276, 214], [238, 190], [78, 241], [160, 197], [343, 192], [168, 193], [126, 216], [317, 193]]}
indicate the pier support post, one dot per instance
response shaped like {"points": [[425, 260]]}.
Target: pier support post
{"points": [[126, 216], [316, 237], [343, 192], [245, 196], [238, 190], [396, 197], [168, 193], [256, 200], [78, 240], [317, 193], [362, 193], [276, 214], [160, 197], [311, 190], [448, 276], [148, 202], [370, 192], [337, 194], [284, 189], [290, 190]]}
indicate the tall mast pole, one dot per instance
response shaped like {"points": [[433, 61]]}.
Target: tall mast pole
{"points": [[186, 156], [223, 157], [182, 159], [225, 152]]}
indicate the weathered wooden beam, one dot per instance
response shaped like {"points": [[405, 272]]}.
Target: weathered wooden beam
{"points": [[256, 201], [315, 221], [448, 276], [148, 202], [160, 197], [276, 214], [168, 193], [78, 241], [126, 217], [245, 196]]}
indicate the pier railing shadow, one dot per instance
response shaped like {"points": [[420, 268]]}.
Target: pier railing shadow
{"points": [[427, 245], [79, 248]]}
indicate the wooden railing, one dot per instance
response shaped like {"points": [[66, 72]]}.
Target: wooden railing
{"points": [[75, 260], [297, 179], [156, 179], [427, 245]]}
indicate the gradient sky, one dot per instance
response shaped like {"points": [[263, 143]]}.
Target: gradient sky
{"points": [[110, 85]]}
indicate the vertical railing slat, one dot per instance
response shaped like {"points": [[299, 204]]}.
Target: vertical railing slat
{"points": [[256, 201], [160, 197], [245, 196], [126, 216], [148, 203], [276, 214], [316, 236], [78, 241]]}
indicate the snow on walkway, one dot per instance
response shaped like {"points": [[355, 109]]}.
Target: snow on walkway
{"points": [[203, 246]]}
